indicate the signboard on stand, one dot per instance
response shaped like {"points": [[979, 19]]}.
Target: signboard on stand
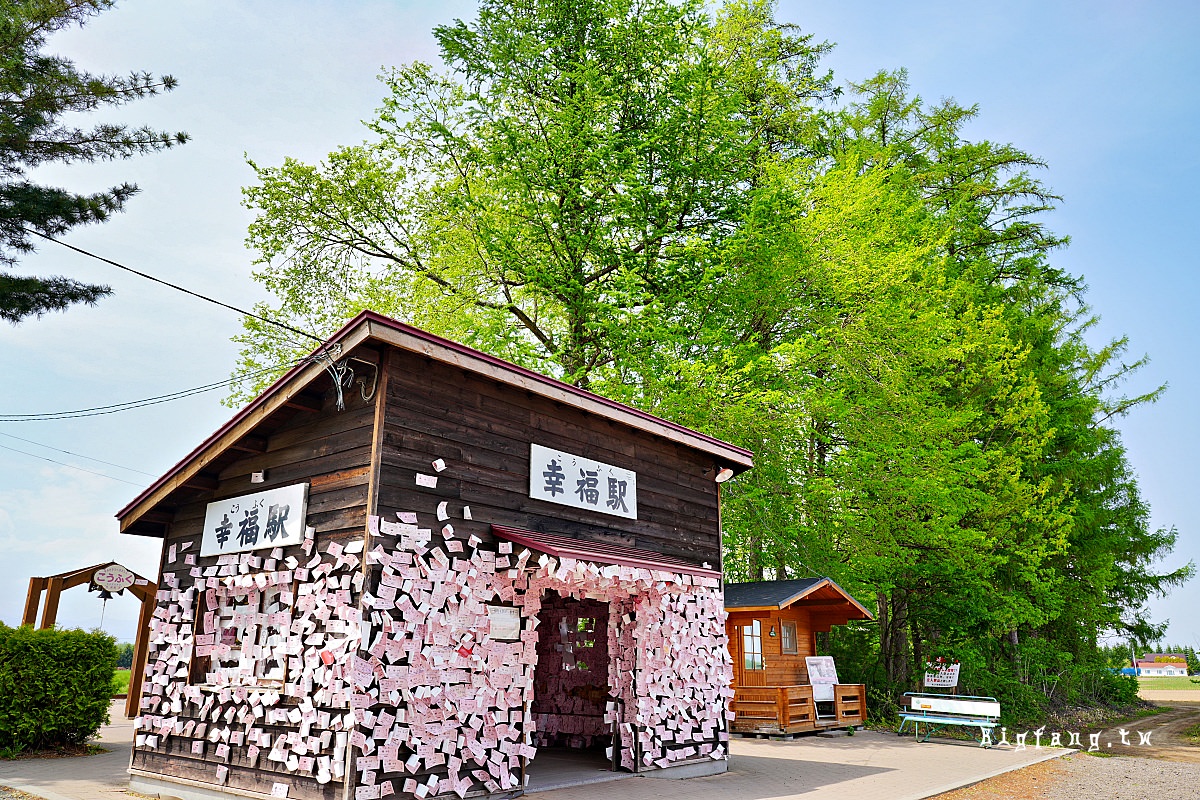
{"points": [[822, 676], [942, 676]]}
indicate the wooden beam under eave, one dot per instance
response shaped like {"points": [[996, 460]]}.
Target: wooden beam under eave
{"points": [[250, 444], [205, 483], [304, 402], [147, 529]]}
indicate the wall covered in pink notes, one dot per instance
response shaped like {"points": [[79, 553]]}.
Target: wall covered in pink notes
{"points": [[462, 706]]}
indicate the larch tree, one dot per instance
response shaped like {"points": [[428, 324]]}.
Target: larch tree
{"points": [[36, 90]]}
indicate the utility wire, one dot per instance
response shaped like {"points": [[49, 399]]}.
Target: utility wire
{"points": [[336, 371], [132, 404], [174, 286], [79, 455], [65, 464]]}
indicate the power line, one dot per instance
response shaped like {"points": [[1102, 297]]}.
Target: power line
{"points": [[335, 371], [132, 404], [79, 455], [175, 286], [69, 466]]}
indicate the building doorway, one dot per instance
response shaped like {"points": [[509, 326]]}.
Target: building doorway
{"points": [[571, 691], [749, 666]]}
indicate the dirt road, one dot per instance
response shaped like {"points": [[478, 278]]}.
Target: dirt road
{"points": [[1164, 733]]}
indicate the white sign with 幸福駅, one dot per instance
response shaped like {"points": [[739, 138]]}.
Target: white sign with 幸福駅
{"points": [[271, 518], [570, 480]]}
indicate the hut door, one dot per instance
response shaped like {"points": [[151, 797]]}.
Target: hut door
{"points": [[751, 668]]}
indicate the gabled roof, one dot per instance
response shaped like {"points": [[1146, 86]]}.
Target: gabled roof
{"points": [[778, 595], [369, 326]]}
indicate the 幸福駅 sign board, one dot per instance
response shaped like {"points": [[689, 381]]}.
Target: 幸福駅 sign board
{"points": [[570, 480], [270, 518]]}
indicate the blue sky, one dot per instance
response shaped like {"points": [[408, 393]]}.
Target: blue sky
{"points": [[1103, 91]]}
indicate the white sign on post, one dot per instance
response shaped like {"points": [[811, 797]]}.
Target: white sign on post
{"points": [[571, 480], [943, 676], [271, 518]]}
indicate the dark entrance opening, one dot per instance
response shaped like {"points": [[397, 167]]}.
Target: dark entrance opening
{"points": [[570, 691]]}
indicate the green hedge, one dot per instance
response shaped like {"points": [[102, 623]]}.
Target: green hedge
{"points": [[55, 686]]}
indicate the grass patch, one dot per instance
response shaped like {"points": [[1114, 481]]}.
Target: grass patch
{"points": [[56, 751], [121, 681], [1173, 683], [1191, 735], [1150, 712]]}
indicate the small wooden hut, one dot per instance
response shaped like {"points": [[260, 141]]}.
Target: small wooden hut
{"points": [[409, 581], [772, 629]]}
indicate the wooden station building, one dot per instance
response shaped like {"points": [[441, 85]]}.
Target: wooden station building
{"points": [[772, 629], [466, 565]]}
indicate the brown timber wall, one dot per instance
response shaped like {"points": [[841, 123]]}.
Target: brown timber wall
{"points": [[483, 430], [781, 669], [331, 450]]}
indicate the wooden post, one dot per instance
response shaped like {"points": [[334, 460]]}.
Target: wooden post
{"points": [[32, 600], [140, 650], [50, 612], [782, 711]]}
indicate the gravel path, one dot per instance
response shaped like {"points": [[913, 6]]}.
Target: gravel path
{"points": [[1169, 768], [1083, 777]]}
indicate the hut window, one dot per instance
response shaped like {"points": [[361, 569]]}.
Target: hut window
{"points": [[752, 645], [248, 631], [788, 641]]}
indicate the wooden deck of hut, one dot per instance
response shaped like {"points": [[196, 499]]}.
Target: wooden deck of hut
{"points": [[772, 628]]}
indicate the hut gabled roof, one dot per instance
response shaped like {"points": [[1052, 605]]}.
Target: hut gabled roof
{"points": [[778, 595]]}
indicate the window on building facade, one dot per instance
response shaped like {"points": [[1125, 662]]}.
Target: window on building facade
{"points": [[752, 654], [790, 646]]}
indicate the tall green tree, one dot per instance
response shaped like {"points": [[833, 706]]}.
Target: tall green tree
{"points": [[555, 197], [36, 90]]}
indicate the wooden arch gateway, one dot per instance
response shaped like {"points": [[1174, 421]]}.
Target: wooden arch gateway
{"points": [[109, 576]]}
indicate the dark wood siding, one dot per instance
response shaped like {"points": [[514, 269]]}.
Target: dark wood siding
{"points": [[483, 431], [331, 450]]}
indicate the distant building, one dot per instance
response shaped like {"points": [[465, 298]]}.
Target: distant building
{"points": [[1161, 665]]}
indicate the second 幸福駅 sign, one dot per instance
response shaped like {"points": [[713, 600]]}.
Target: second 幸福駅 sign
{"points": [[570, 480], [271, 518]]}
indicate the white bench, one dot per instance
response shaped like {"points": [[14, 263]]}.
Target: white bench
{"points": [[938, 711]]}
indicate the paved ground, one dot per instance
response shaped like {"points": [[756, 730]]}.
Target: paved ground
{"points": [[865, 766], [98, 777]]}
